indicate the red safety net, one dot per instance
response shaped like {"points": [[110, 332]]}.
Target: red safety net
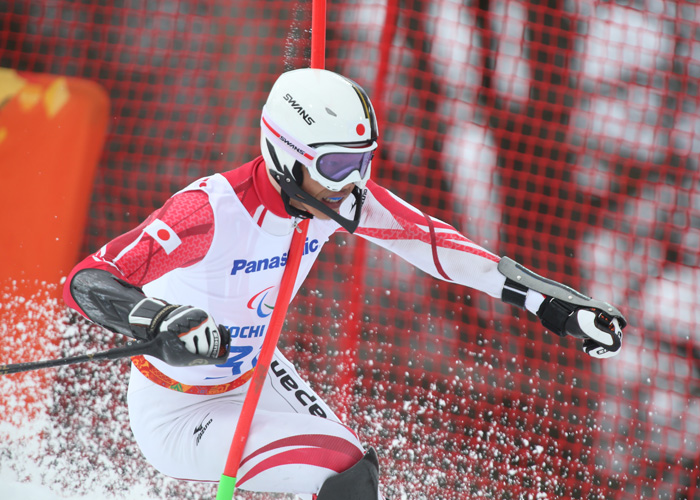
{"points": [[564, 134]]}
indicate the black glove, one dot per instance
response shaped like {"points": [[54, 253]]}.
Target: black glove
{"points": [[601, 332], [188, 335]]}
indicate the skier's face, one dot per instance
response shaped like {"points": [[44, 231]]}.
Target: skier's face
{"points": [[332, 199]]}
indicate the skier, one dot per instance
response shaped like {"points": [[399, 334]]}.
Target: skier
{"points": [[202, 271]]}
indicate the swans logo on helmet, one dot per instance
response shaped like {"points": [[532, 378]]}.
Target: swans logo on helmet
{"points": [[295, 105], [292, 145]]}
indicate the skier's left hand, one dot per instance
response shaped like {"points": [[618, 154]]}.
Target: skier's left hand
{"points": [[601, 332]]}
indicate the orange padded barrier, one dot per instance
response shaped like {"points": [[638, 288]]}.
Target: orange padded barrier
{"points": [[52, 130]]}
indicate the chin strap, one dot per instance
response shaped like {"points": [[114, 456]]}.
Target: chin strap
{"points": [[291, 190], [287, 179]]}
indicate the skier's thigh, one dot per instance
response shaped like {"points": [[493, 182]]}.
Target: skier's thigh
{"points": [[285, 391], [289, 448]]}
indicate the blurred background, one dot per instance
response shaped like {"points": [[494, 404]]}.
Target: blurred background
{"points": [[564, 134]]}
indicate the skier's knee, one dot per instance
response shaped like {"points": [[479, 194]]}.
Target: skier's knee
{"points": [[359, 482]]}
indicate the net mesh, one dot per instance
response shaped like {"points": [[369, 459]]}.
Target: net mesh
{"points": [[564, 134]]}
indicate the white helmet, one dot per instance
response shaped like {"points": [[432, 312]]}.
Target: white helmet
{"points": [[325, 122]]}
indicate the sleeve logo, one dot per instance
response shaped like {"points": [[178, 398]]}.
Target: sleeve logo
{"points": [[164, 235]]}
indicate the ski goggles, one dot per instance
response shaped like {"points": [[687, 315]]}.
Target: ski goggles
{"points": [[331, 165]]}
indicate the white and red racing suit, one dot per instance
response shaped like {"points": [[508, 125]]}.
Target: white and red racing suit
{"points": [[221, 245]]}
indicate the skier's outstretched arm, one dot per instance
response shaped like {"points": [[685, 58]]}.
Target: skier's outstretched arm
{"points": [[440, 250]]}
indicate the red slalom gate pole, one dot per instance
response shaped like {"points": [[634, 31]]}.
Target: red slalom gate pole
{"points": [[318, 34], [227, 483]]}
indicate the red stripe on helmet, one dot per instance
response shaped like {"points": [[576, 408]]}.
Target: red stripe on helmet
{"points": [[279, 136]]}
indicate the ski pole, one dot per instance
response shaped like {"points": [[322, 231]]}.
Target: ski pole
{"points": [[128, 350], [227, 484]]}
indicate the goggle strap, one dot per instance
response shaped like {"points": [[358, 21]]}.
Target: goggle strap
{"points": [[301, 152]]}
